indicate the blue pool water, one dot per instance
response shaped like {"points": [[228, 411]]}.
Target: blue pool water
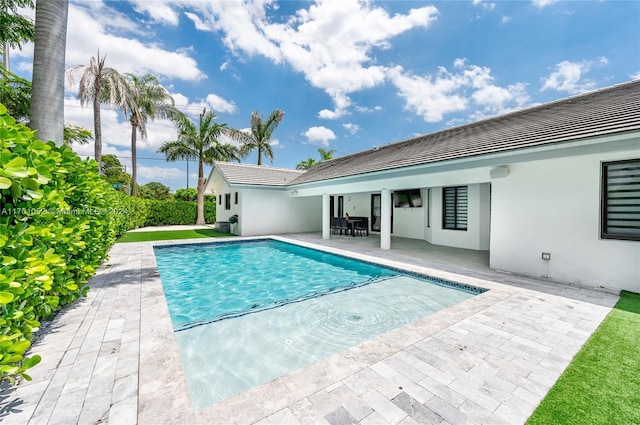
{"points": [[246, 313], [206, 283]]}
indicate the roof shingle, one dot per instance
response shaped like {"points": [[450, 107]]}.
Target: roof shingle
{"points": [[256, 174], [607, 111]]}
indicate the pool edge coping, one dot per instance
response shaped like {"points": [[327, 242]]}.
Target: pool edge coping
{"points": [[161, 365]]}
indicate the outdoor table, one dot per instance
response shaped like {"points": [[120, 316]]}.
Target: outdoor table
{"points": [[352, 222]]}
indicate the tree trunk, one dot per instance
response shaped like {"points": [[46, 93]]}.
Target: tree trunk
{"points": [[200, 219], [47, 92], [134, 161], [259, 156], [97, 126]]}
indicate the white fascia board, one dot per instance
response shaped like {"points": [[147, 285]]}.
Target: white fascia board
{"points": [[611, 143]]}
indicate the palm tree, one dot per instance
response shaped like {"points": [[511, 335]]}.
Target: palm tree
{"points": [[47, 95], [260, 135], [201, 144], [306, 164], [15, 28], [146, 99], [326, 154], [98, 84]]}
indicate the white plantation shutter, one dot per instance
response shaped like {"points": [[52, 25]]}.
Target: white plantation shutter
{"points": [[621, 200], [455, 208]]}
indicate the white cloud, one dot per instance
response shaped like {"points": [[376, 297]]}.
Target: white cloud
{"points": [[351, 127], [448, 92], [157, 173], [199, 23], [568, 77], [543, 3], [218, 104], [91, 30], [331, 42], [321, 135], [430, 97], [365, 109], [159, 11], [500, 100], [483, 4], [212, 102], [635, 76]]}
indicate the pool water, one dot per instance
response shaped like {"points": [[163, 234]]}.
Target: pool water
{"points": [[229, 345], [209, 282]]}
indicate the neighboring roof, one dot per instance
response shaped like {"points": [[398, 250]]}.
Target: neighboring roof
{"points": [[256, 174], [607, 111]]}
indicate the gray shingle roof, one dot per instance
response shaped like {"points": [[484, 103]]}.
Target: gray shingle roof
{"points": [[256, 174], [608, 111]]}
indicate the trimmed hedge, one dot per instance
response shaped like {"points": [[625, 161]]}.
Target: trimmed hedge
{"points": [[164, 213], [58, 219]]}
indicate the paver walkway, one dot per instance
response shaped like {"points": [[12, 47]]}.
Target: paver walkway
{"points": [[112, 358]]}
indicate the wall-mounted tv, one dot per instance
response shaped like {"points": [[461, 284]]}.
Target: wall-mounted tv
{"points": [[409, 198]]}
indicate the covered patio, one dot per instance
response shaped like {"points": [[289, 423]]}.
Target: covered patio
{"points": [[465, 262]]}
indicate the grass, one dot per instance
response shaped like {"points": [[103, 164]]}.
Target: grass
{"points": [[602, 383], [165, 235]]}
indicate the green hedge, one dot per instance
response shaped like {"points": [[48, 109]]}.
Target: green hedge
{"points": [[164, 213], [58, 219]]}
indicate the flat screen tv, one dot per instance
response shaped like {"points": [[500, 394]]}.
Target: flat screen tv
{"points": [[409, 198]]}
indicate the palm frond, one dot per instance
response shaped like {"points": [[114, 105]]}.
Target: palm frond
{"points": [[274, 120], [175, 150]]}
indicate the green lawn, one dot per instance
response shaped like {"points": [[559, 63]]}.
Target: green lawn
{"points": [[165, 235], [602, 383]]}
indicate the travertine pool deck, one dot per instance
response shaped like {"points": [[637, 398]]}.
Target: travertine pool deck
{"points": [[112, 357]]}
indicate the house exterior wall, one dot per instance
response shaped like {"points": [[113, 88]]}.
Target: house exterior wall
{"points": [[410, 222], [478, 225], [554, 206], [266, 212], [357, 204]]}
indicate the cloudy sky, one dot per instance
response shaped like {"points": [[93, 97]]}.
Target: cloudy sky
{"points": [[349, 74]]}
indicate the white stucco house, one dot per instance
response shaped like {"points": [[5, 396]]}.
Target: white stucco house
{"points": [[552, 190]]}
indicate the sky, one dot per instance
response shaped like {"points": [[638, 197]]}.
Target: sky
{"points": [[349, 74]]}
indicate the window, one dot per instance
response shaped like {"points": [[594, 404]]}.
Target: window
{"points": [[219, 199], [236, 199], [454, 207], [621, 200], [227, 201]]}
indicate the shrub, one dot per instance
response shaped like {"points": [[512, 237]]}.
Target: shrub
{"points": [[210, 211], [164, 213], [58, 219], [190, 194]]}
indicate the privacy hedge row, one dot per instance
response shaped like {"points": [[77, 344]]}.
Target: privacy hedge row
{"points": [[58, 219], [163, 213]]}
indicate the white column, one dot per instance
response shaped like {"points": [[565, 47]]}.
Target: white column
{"points": [[326, 230], [385, 219]]}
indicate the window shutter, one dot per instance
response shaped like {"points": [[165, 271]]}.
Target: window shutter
{"points": [[621, 200], [455, 208]]}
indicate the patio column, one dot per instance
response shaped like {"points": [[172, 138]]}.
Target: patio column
{"points": [[385, 219], [325, 216]]}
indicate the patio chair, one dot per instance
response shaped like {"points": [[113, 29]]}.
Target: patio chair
{"points": [[362, 226], [335, 224], [343, 225]]}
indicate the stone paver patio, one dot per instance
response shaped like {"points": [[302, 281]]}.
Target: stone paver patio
{"points": [[112, 357]]}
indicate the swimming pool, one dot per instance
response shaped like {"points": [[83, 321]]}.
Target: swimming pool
{"points": [[246, 313]]}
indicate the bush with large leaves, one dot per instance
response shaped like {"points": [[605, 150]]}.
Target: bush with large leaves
{"points": [[58, 219]]}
